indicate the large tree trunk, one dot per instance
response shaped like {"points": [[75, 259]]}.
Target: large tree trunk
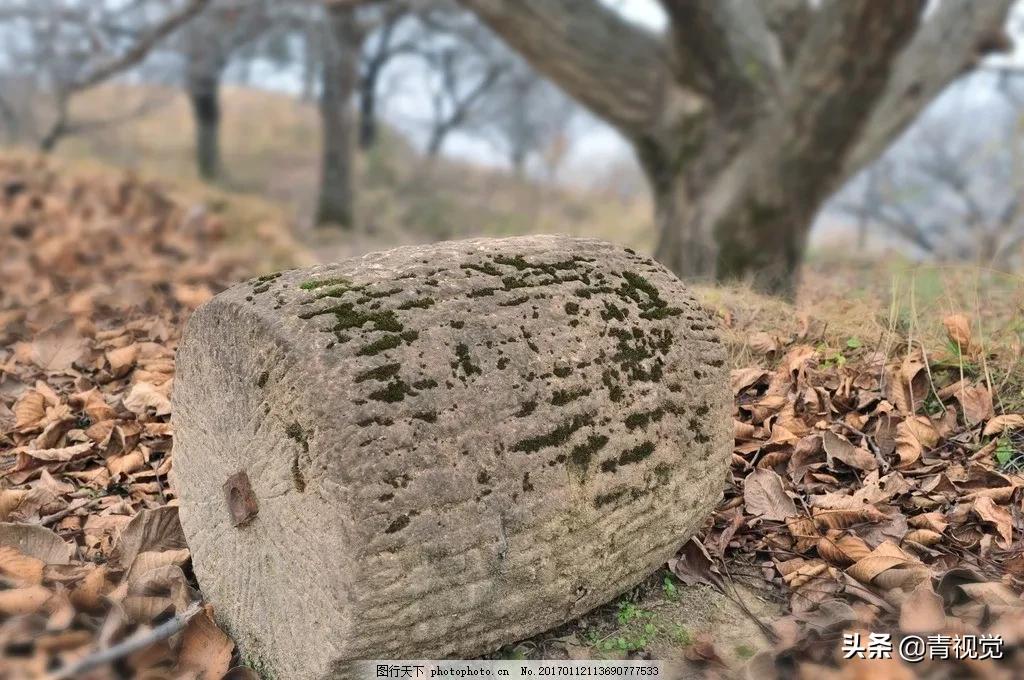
{"points": [[340, 72], [747, 116], [204, 95]]}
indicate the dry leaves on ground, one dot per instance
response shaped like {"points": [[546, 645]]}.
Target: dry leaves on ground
{"points": [[97, 276], [878, 494]]}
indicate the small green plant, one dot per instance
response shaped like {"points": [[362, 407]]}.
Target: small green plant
{"points": [[670, 589], [681, 635], [854, 343], [1005, 452], [627, 612]]}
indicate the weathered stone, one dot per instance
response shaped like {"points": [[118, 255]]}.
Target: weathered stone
{"points": [[450, 447]]}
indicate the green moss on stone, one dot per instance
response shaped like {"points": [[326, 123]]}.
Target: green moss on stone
{"points": [[555, 437], [381, 373], [313, 284], [380, 345]]}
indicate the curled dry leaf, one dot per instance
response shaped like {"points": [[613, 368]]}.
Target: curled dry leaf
{"points": [[144, 396], [205, 649], [886, 556], [985, 508], [914, 436], [1001, 424], [958, 329]]}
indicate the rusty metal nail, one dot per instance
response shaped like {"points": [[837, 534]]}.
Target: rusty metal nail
{"points": [[240, 498]]}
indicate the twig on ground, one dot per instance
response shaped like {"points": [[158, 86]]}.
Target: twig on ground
{"points": [[129, 645], [57, 516]]}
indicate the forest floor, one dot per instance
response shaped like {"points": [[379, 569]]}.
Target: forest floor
{"points": [[875, 486]]}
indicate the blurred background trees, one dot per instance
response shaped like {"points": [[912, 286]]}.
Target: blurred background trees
{"points": [[713, 133]]}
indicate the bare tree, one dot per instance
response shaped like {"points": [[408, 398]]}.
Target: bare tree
{"points": [[74, 46], [347, 25], [463, 66], [382, 47], [524, 116], [949, 189], [746, 116], [207, 44], [342, 46]]}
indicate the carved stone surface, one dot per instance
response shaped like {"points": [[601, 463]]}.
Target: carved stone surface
{"points": [[451, 447]]}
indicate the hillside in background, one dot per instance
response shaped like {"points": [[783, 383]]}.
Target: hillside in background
{"points": [[270, 146]]}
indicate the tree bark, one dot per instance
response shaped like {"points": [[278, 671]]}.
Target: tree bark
{"points": [[368, 108], [747, 116], [204, 95], [340, 75]]}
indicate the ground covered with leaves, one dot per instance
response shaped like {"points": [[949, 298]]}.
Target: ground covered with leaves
{"points": [[875, 483], [98, 274]]}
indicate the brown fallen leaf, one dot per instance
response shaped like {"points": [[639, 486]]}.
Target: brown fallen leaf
{"points": [[57, 348], [1001, 424], [205, 649], [839, 448], [985, 508], [922, 611], [149, 531], [25, 600], [765, 496], [37, 542], [958, 328]]}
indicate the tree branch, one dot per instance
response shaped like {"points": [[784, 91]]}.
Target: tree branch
{"points": [[844, 66], [725, 49], [611, 66], [950, 42], [789, 20], [141, 48]]}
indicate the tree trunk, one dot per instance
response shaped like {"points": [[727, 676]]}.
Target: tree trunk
{"points": [[310, 63], [204, 94], [746, 115], [436, 141], [340, 75], [368, 109]]}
